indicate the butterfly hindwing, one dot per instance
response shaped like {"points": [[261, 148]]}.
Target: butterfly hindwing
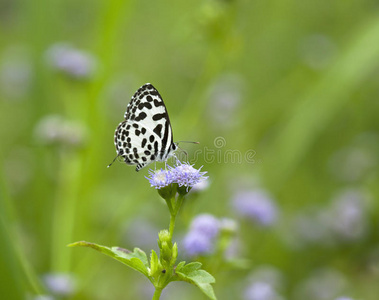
{"points": [[145, 135]]}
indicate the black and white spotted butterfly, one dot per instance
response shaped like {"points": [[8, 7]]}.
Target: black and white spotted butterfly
{"points": [[145, 136]]}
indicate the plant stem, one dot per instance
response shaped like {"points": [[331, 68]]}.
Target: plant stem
{"points": [[157, 293], [172, 224], [174, 212]]}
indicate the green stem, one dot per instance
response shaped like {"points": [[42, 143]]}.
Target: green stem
{"points": [[172, 224], [174, 212], [157, 293]]}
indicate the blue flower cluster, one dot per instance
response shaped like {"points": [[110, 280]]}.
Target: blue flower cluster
{"points": [[256, 205], [183, 174], [200, 239]]}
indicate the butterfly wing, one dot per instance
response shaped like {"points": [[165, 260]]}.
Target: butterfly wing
{"points": [[145, 135]]}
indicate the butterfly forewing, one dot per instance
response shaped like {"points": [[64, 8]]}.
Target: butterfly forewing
{"points": [[145, 135]]}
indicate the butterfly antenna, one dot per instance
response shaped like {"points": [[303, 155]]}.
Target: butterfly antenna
{"points": [[188, 142], [113, 161], [184, 151]]}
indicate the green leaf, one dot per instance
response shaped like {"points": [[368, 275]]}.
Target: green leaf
{"points": [[192, 266], [180, 266], [202, 279], [136, 260], [154, 264]]}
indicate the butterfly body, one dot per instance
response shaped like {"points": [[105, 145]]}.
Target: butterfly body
{"points": [[145, 136]]}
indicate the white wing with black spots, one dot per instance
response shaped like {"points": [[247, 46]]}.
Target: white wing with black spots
{"points": [[145, 135]]}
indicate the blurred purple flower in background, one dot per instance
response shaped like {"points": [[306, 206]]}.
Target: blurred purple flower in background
{"points": [[200, 186], [322, 284], [15, 72], [264, 284], [140, 232], [356, 161], [195, 243], [205, 224], [344, 298], [224, 99], [42, 297], [200, 239], [71, 61], [60, 284], [256, 205], [261, 291], [54, 129], [345, 219], [347, 216]]}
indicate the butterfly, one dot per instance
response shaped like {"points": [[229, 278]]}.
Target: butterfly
{"points": [[145, 136]]}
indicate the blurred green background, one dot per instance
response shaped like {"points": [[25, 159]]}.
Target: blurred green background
{"points": [[294, 82]]}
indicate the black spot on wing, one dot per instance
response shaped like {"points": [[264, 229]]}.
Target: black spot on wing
{"points": [[158, 117], [141, 116], [143, 143], [144, 104], [158, 130], [158, 103]]}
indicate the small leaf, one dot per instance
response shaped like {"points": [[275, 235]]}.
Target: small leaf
{"points": [[180, 265], [202, 279], [192, 266], [174, 254], [136, 260], [154, 265]]}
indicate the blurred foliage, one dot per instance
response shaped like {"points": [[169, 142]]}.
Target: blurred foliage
{"points": [[294, 81]]}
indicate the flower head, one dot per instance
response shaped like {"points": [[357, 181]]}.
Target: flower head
{"points": [[71, 61], [60, 284], [206, 224], [54, 129], [201, 237], [256, 205], [195, 243], [183, 174], [186, 175], [265, 283], [261, 290], [160, 178]]}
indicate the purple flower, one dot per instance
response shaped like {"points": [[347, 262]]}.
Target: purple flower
{"points": [[225, 96], [322, 284], [206, 224], [186, 175], [16, 72], [344, 298], [54, 129], [160, 178], [195, 243], [257, 205], [43, 297], [71, 61], [347, 216], [200, 186], [261, 290], [183, 174], [201, 238], [60, 284]]}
